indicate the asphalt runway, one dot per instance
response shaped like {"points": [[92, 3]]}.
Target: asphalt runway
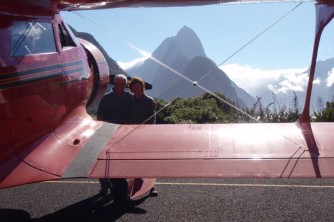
{"points": [[178, 200]]}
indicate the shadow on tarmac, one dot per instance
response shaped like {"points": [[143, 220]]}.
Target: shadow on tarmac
{"points": [[96, 208]]}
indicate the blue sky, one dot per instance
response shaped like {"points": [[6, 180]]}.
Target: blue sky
{"points": [[222, 29], [284, 50]]}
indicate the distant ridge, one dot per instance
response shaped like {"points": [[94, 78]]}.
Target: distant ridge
{"points": [[114, 68]]}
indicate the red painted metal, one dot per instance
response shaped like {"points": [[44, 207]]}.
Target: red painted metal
{"points": [[42, 107], [48, 157], [222, 150], [138, 187], [100, 70]]}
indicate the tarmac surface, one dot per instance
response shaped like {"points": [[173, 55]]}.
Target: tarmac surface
{"points": [[178, 200]]}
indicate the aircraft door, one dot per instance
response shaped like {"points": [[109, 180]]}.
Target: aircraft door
{"points": [[76, 71], [31, 73]]}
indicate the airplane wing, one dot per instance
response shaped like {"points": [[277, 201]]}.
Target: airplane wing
{"points": [[52, 6], [84, 148], [222, 150]]}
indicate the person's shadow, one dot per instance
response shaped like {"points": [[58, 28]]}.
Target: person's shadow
{"points": [[14, 215], [95, 208]]}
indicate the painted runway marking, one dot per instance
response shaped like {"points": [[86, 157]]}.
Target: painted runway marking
{"points": [[206, 184], [247, 185]]}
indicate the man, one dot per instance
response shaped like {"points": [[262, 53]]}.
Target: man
{"points": [[115, 108]]}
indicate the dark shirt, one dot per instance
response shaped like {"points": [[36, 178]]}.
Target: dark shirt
{"points": [[142, 109], [115, 109]]}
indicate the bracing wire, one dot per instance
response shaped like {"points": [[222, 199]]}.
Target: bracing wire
{"points": [[192, 82], [254, 38]]}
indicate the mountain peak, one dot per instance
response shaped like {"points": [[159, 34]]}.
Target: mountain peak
{"points": [[185, 31], [184, 52], [188, 43], [185, 43]]}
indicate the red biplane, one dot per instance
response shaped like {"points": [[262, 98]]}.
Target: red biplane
{"points": [[48, 78]]}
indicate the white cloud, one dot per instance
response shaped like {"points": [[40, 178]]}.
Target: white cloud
{"points": [[330, 79], [285, 86], [317, 81], [254, 80], [132, 64]]}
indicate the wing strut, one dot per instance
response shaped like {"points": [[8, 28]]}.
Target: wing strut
{"points": [[324, 14]]}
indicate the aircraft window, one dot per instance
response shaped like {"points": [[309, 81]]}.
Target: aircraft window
{"points": [[71, 33], [31, 37], [65, 37]]}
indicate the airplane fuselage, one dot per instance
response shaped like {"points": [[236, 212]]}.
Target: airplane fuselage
{"points": [[46, 76]]}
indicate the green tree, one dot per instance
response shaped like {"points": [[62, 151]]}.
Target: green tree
{"points": [[325, 112], [202, 109]]}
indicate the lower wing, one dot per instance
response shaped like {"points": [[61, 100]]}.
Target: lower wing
{"points": [[84, 148]]}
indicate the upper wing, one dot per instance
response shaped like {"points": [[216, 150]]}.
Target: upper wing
{"points": [[52, 6]]}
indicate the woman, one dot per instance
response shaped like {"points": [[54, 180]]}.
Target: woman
{"points": [[142, 106], [142, 109]]}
